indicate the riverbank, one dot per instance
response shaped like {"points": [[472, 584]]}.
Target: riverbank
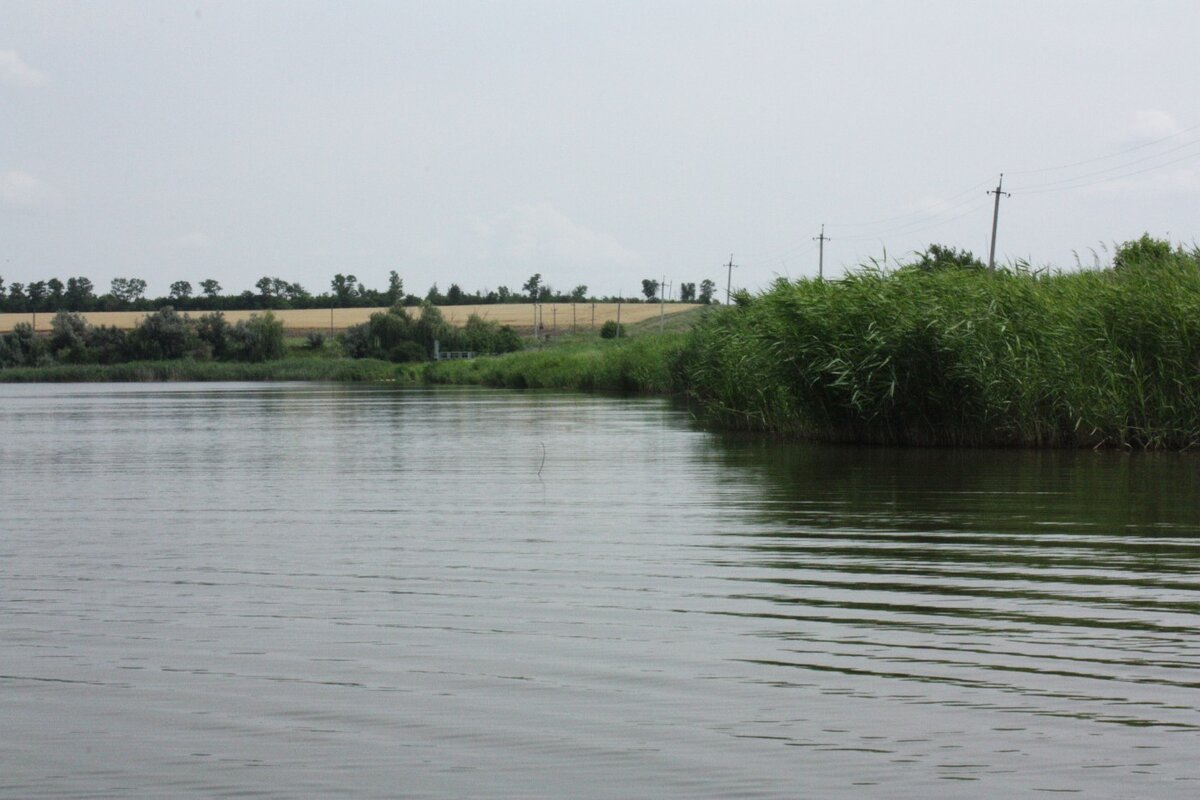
{"points": [[284, 369], [643, 364], [938, 353]]}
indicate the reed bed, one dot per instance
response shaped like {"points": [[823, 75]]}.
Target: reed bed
{"points": [[964, 357]]}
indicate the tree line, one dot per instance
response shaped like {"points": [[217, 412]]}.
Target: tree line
{"points": [[166, 335], [345, 291]]}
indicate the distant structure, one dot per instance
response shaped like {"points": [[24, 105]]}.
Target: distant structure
{"points": [[450, 355]]}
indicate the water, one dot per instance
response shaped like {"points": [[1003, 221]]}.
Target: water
{"points": [[312, 590]]}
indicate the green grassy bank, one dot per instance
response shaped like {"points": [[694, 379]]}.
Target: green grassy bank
{"points": [[285, 369], [643, 364], [958, 356]]}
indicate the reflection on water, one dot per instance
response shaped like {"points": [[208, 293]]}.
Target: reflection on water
{"points": [[294, 590]]}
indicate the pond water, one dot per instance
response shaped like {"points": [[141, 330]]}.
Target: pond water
{"points": [[322, 590]]}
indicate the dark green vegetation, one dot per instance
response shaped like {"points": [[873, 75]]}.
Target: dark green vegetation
{"points": [[163, 335], [944, 353], [395, 336], [345, 291]]}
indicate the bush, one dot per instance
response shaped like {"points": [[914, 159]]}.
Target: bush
{"points": [[107, 345], [164, 334], [315, 340], [23, 348], [68, 338], [610, 330], [213, 330], [259, 338]]}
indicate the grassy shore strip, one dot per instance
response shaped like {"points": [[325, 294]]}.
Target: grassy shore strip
{"points": [[287, 369], [643, 365], [961, 357]]}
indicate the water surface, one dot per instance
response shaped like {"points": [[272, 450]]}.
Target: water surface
{"points": [[315, 590]]}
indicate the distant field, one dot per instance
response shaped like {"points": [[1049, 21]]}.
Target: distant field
{"points": [[554, 316]]}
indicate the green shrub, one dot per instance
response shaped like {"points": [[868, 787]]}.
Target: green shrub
{"points": [[259, 338], [611, 330]]}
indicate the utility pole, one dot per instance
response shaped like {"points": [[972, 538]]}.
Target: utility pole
{"points": [[995, 219], [662, 298], [821, 257], [729, 278]]}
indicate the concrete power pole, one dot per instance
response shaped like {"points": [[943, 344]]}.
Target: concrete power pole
{"points": [[729, 278], [995, 219], [821, 256]]}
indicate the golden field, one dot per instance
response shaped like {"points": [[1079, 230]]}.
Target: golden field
{"points": [[554, 316]]}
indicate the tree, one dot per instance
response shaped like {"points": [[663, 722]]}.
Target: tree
{"points": [[579, 293], [16, 297], [707, 288], [649, 288], [294, 291], [181, 290], [504, 294], [533, 285], [265, 286], [687, 292], [210, 288], [56, 293], [343, 287], [80, 294], [454, 295], [395, 290], [127, 290], [939, 257], [37, 293]]}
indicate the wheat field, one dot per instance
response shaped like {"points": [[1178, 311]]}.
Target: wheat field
{"points": [[553, 316]]}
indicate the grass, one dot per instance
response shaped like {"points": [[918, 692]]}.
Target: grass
{"points": [[286, 369], [963, 357], [641, 364]]}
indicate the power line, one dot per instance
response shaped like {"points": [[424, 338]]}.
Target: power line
{"points": [[1113, 154], [1094, 173]]}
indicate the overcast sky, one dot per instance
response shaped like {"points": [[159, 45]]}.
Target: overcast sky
{"points": [[595, 143]]}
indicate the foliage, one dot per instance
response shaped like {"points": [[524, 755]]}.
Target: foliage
{"points": [[939, 257], [642, 364], [953, 356], [395, 336], [259, 338], [707, 287], [611, 330]]}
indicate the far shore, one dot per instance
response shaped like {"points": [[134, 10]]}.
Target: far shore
{"points": [[554, 317]]}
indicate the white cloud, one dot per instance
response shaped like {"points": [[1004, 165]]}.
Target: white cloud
{"points": [[22, 191], [539, 234], [1151, 124], [15, 72], [193, 241]]}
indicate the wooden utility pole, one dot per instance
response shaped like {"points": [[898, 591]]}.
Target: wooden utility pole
{"points": [[821, 256], [729, 278], [996, 219], [662, 299]]}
